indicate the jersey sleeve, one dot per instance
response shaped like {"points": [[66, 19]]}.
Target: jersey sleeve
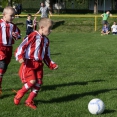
{"points": [[47, 60], [20, 51], [17, 31]]}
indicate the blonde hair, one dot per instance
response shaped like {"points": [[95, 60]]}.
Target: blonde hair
{"points": [[8, 8], [45, 21]]}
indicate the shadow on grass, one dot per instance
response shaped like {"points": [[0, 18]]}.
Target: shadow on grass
{"points": [[20, 23], [109, 111], [56, 54], [53, 87], [58, 23], [12, 92], [73, 97], [5, 96]]}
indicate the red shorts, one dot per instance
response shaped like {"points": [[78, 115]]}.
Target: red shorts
{"points": [[5, 55], [31, 70]]}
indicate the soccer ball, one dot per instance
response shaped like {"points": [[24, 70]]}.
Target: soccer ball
{"points": [[96, 106]]}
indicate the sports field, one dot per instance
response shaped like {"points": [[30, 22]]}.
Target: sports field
{"points": [[87, 69]]}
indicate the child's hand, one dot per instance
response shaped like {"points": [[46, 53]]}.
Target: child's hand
{"points": [[53, 66], [110, 14], [56, 67], [15, 35], [21, 60]]}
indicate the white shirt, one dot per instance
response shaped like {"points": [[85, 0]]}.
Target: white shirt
{"points": [[44, 11], [114, 28]]}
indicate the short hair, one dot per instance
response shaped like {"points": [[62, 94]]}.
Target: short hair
{"points": [[8, 8], [45, 21], [107, 11], [29, 15]]}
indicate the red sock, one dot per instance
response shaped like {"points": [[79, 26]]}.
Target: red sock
{"points": [[33, 93], [31, 96], [26, 87]]}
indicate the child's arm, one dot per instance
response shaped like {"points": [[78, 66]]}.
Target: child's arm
{"points": [[50, 13], [37, 12], [16, 33], [20, 51], [52, 65], [102, 15], [28, 25]]}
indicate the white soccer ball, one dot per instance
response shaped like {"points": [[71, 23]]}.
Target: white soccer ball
{"points": [[96, 106]]}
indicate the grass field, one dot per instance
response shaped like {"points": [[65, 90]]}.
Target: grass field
{"points": [[87, 69]]}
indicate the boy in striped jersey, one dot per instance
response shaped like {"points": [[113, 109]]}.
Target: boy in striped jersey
{"points": [[31, 53], [8, 33]]}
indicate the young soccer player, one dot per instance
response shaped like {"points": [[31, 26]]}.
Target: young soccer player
{"points": [[31, 53], [8, 33], [35, 23], [29, 25]]}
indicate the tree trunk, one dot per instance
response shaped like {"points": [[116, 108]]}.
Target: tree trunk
{"points": [[9, 2], [95, 6], [51, 5]]}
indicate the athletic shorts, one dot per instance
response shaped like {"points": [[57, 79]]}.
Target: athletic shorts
{"points": [[114, 32], [104, 22], [5, 57], [31, 70]]}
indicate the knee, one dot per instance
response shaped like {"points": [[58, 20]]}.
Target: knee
{"points": [[32, 81]]}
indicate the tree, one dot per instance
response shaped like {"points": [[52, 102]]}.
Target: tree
{"points": [[51, 5], [95, 6], [9, 2], [5, 3]]}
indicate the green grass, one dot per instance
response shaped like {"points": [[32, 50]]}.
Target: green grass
{"points": [[87, 70]]}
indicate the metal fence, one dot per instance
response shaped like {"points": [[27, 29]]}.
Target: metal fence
{"points": [[95, 17]]}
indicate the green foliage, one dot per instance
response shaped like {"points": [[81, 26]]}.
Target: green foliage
{"points": [[78, 4], [81, 1], [31, 4], [4, 3]]}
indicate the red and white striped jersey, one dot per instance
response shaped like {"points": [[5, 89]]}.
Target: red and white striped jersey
{"points": [[6, 30], [34, 47]]}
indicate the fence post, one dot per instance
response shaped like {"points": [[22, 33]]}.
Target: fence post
{"points": [[95, 23]]}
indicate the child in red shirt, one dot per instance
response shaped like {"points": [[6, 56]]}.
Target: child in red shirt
{"points": [[8, 33], [31, 53]]}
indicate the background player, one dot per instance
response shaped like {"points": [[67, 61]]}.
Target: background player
{"points": [[29, 25]]}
